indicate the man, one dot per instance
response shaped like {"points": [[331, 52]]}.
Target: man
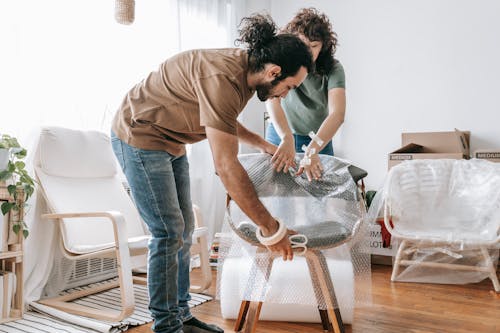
{"points": [[195, 95]]}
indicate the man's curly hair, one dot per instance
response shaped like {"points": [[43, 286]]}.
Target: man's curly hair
{"points": [[316, 26]]}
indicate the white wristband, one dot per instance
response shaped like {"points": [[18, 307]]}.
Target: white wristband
{"points": [[306, 160], [316, 138], [273, 239]]}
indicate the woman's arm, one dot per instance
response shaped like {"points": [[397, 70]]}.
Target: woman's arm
{"points": [[330, 126], [284, 157]]}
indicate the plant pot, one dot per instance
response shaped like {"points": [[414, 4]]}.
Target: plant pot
{"points": [[4, 158]]}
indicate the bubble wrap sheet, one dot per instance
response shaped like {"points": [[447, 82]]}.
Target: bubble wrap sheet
{"points": [[446, 210], [331, 207]]}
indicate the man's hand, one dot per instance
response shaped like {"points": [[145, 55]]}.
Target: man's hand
{"points": [[284, 157], [268, 148], [284, 246], [313, 170]]}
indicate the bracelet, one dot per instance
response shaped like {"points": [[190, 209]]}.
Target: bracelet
{"points": [[316, 138], [273, 239], [306, 160]]}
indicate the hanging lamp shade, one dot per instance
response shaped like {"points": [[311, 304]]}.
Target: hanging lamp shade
{"points": [[125, 11]]}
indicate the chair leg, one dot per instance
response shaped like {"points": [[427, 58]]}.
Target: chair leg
{"points": [[253, 317], [242, 315], [201, 248], [252, 308], [491, 268], [125, 282], [397, 260], [323, 314], [324, 282], [327, 327], [64, 303]]}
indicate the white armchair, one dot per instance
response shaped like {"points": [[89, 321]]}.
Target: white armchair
{"points": [[97, 219], [447, 215]]}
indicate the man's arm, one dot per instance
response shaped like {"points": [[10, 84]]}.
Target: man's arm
{"points": [[254, 140], [224, 148]]}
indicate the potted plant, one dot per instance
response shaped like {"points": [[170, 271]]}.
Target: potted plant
{"points": [[20, 184]]}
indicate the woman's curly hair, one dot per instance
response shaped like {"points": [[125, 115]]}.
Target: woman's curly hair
{"points": [[316, 26]]}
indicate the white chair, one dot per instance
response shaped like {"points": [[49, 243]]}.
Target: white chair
{"points": [[441, 210], [97, 219]]}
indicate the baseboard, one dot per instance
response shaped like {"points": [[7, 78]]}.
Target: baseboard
{"points": [[381, 260]]}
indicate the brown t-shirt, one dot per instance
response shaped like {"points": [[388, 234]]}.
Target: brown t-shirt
{"points": [[189, 91]]}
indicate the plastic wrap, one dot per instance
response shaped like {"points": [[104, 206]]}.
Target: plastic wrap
{"points": [[445, 213], [332, 205]]}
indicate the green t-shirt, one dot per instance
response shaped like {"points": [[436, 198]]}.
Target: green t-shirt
{"points": [[307, 106]]}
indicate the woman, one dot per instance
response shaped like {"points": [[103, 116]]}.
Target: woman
{"points": [[318, 105]]}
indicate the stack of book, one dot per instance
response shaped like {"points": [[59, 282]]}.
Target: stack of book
{"points": [[214, 251]]}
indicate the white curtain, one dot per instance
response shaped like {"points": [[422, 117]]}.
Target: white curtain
{"points": [[207, 24], [68, 63]]}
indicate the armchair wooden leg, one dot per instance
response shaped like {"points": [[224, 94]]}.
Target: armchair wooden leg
{"points": [[63, 303], [253, 317], [326, 286], [242, 315], [250, 310], [327, 327], [323, 314], [397, 260], [201, 248], [491, 268]]}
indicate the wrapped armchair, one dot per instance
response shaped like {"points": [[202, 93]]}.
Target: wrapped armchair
{"points": [[446, 213], [329, 213]]}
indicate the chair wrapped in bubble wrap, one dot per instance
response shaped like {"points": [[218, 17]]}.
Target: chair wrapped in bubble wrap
{"points": [[446, 214], [331, 276]]}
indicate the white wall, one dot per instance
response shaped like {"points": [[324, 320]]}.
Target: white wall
{"points": [[253, 116], [421, 65]]}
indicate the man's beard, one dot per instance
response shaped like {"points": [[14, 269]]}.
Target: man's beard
{"points": [[264, 91]]}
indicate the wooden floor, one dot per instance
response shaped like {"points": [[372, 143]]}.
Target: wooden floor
{"points": [[397, 307]]}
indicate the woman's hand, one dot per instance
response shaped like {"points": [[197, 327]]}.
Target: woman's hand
{"points": [[314, 170], [284, 157]]}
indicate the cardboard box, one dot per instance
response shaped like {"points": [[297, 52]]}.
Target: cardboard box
{"points": [[492, 155], [376, 244], [418, 145], [431, 145]]}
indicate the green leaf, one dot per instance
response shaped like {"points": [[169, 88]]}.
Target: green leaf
{"points": [[5, 174], [28, 190], [21, 153], [26, 179], [25, 233], [6, 207], [11, 189], [16, 228], [20, 165]]}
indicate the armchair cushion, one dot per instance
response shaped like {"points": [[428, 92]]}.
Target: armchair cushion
{"points": [[321, 235], [87, 154]]}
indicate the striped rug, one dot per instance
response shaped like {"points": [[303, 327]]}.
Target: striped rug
{"points": [[43, 319]]}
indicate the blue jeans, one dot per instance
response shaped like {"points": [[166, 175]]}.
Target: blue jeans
{"points": [[159, 183], [273, 137]]}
